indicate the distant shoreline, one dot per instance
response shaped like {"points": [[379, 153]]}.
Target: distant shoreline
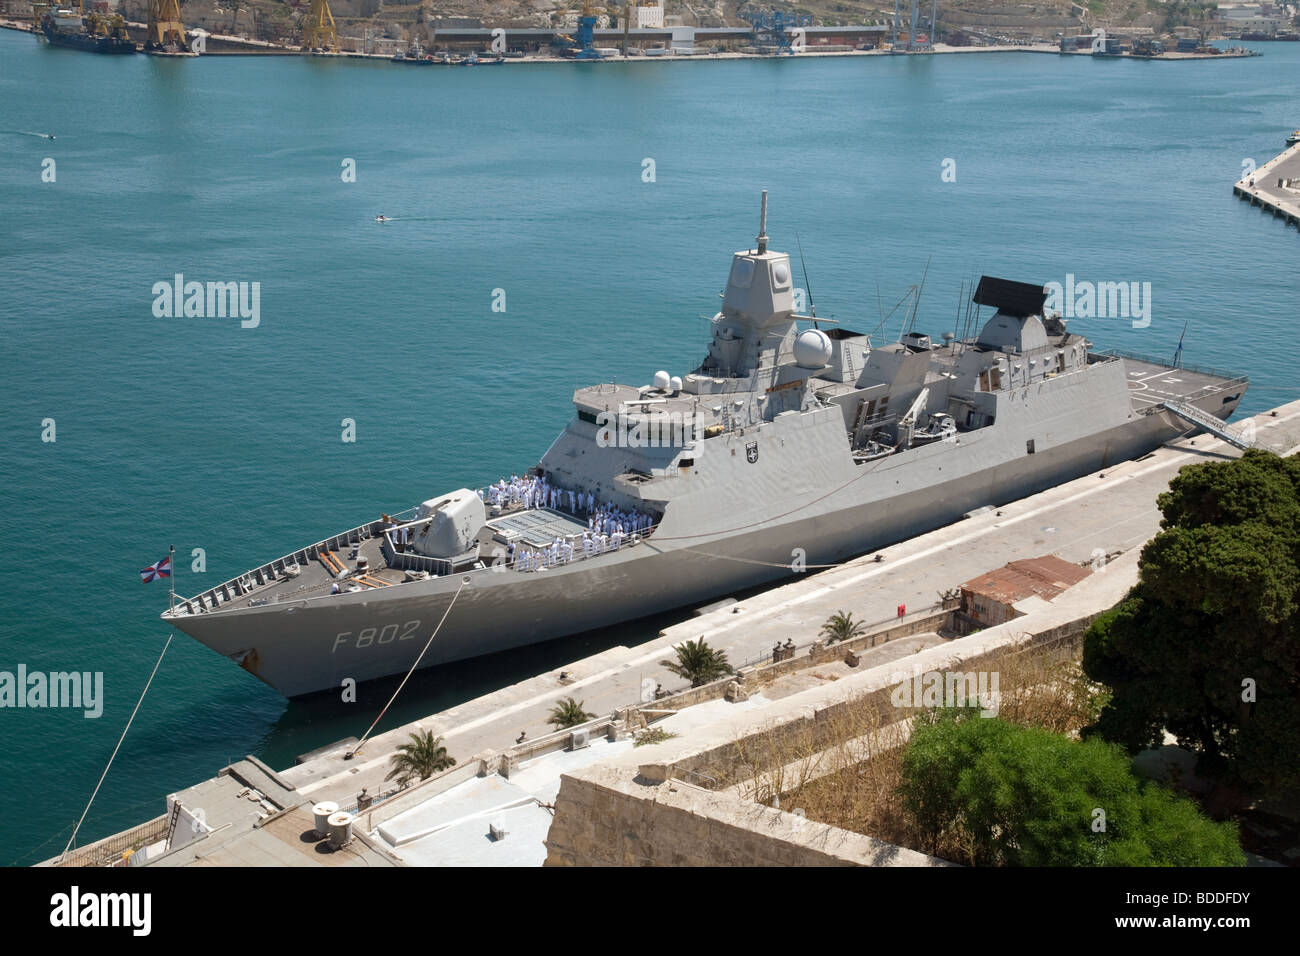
{"points": [[265, 48]]}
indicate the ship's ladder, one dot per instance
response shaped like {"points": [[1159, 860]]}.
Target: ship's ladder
{"points": [[172, 821], [1242, 437]]}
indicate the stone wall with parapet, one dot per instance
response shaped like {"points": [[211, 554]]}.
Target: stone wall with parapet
{"points": [[605, 818], [637, 809]]}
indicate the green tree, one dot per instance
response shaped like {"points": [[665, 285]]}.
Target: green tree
{"points": [[423, 756], [998, 794], [1206, 646], [699, 663], [569, 713], [840, 626]]}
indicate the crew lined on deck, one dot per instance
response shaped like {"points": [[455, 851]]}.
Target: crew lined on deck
{"points": [[609, 527]]}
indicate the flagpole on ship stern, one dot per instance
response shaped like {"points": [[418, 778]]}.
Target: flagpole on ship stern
{"points": [[171, 578]]}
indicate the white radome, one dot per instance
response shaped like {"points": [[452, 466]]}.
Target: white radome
{"points": [[675, 383], [812, 349], [661, 380]]}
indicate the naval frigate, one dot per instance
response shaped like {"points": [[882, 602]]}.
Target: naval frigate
{"points": [[791, 445]]}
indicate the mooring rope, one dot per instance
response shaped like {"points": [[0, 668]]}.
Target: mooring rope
{"points": [[429, 643], [116, 749]]}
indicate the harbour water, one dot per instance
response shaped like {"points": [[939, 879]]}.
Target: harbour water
{"points": [[199, 433]]}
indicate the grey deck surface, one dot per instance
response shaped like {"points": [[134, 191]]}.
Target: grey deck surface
{"points": [[1151, 384]]}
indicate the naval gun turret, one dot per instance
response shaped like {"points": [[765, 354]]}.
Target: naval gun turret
{"points": [[451, 527]]}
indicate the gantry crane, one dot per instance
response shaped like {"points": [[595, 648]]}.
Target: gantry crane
{"points": [[318, 31], [166, 33]]}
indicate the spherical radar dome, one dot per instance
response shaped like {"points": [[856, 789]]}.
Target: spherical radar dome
{"points": [[661, 380], [812, 349]]}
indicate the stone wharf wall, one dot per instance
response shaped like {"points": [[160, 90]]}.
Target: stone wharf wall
{"points": [[618, 816], [603, 818], [816, 728]]}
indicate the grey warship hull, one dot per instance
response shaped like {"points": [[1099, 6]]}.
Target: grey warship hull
{"points": [[783, 450], [312, 644]]}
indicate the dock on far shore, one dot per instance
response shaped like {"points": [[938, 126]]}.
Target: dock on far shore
{"points": [[1275, 186]]}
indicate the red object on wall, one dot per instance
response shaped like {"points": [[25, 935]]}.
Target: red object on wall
{"points": [[902, 610]]}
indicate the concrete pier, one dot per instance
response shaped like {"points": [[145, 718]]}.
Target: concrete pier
{"points": [[1275, 186]]}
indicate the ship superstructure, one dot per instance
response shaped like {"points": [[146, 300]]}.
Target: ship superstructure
{"points": [[789, 443]]}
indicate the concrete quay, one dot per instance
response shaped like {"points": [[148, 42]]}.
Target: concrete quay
{"points": [[1108, 513], [1275, 186]]}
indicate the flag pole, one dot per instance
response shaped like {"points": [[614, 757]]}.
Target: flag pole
{"points": [[171, 577]]}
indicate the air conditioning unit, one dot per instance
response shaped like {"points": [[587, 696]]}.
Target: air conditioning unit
{"points": [[579, 739]]}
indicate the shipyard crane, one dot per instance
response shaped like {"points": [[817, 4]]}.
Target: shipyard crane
{"points": [[165, 32], [585, 36], [318, 31], [774, 29], [915, 22]]}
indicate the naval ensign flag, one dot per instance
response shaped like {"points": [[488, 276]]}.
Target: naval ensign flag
{"points": [[163, 569]]}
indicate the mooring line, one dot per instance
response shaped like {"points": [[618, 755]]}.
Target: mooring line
{"points": [[429, 643], [156, 665]]}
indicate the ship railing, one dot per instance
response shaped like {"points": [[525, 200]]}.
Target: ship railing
{"points": [[1229, 379], [275, 571], [410, 560]]}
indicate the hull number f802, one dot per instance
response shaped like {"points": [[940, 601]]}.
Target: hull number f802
{"points": [[376, 635]]}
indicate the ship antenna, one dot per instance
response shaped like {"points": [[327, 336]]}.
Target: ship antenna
{"points": [[916, 303], [762, 226], [812, 309]]}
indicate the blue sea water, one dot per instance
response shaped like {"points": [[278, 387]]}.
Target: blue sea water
{"points": [[197, 433]]}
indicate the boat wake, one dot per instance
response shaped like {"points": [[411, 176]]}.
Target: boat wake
{"points": [[24, 132]]}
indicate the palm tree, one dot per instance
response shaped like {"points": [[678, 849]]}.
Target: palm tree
{"points": [[422, 757], [840, 626], [569, 713], [699, 663]]}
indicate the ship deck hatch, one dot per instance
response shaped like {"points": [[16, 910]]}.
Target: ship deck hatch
{"points": [[536, 527]]}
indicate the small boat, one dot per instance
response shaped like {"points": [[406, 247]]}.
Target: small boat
{"points": [[1294, 138], [415, 56], [382, 219]]}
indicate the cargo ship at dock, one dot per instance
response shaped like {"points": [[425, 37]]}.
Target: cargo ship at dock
{"points": [[94, 32], [796, 443]]}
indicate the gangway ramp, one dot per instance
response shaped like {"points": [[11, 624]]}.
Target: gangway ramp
{"points": [[1242, 437]]}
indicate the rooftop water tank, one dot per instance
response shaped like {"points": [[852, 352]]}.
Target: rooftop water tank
{"points": [[322, 812], [340, 828]]}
